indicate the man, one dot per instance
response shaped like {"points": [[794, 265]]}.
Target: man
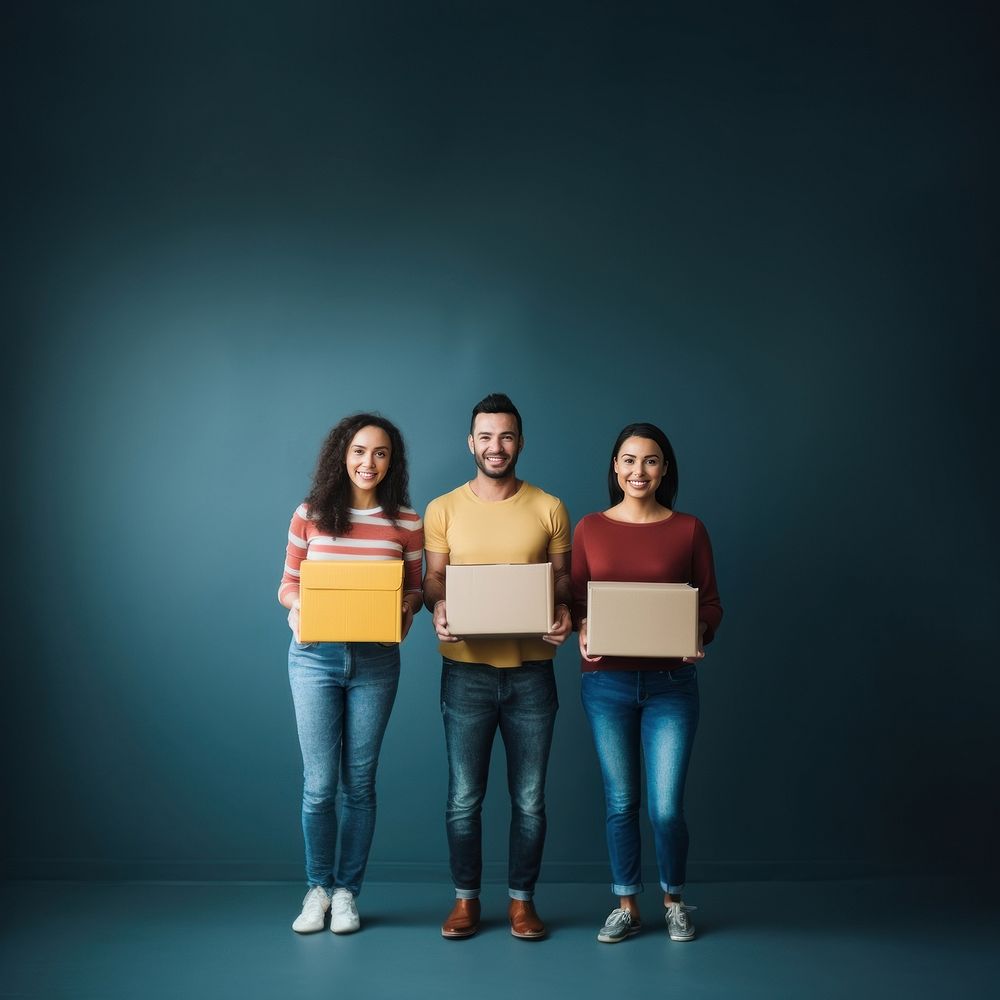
{"points": [[488, 684]]}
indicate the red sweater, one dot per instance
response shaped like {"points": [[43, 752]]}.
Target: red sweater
{"points": [[676, 550]]}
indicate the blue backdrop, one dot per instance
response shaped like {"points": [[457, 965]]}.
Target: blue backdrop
{"points": [[768, 228]]}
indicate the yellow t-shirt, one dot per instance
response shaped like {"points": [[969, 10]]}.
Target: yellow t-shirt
{"points": [[528, 527]]}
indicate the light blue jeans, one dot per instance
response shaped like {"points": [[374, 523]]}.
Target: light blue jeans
{"points": [[343, 694], [657, 710]]}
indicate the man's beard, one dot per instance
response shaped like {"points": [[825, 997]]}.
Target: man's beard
{"points": [[506, 473]]}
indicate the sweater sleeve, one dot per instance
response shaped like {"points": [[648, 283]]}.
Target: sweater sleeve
{"points": [[703, 577], [296, 550], [579, 574], [413, 559]]}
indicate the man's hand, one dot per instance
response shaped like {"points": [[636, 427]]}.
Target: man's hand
{"points": [[441, 623], [561, 627]]}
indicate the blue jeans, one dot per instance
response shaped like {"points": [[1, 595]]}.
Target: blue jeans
{"points": [[657, 709], [343, 694], [476, 700]]}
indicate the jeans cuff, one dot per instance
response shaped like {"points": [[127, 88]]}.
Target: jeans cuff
{"points": [[626, 890], [522, 894], [674, 890], [467, 893]]}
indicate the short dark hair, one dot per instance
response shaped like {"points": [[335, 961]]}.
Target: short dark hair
{"points": [[666, 493], [495, 402]]}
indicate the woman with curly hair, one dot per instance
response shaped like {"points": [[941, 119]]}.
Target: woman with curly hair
{"points": [[647, 705], [358, 509]]}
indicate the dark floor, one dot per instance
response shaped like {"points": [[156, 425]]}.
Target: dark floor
{"points": [[877, 938]]}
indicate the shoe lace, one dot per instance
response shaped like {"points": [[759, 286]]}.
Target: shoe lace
{"points": [[679, 912], [618, 916], [313, 899], [344, 903]]}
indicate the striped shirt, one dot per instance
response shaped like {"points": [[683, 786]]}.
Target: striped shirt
{"points": [[372, 536]]}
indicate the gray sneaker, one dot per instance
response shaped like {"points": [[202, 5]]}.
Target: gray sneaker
{"points": [[617, 927], [679, 925]]}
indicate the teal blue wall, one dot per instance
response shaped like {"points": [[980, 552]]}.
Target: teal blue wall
{"points": [[770, 229]]}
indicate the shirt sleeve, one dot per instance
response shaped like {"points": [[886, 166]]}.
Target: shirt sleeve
{"points": [[435, 528], [703, 576], [296, 550], [560, 540], [579, 574], [413, 559]]}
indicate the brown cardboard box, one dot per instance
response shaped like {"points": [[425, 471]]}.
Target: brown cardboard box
{"points": [[499, 600], [641, 619], [351, 601]]}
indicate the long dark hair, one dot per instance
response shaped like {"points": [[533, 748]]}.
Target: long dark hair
{"points": [[329, 499], [666, 492]]}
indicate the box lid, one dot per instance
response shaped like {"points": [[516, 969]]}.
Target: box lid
{"points": [[335, 574]]}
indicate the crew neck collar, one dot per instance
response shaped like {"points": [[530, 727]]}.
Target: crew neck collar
{"points": [[472, 493]]}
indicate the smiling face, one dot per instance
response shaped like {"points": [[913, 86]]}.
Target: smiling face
{"points": [[495, 444], [640, 468], [367, 461]]}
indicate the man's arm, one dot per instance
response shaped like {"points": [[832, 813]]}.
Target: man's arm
{"points": [[563, 624], [434, 593]]}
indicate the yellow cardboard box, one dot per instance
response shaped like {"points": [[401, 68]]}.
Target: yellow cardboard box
{"points": [[499, 600], [350, 601], [641, 619]]}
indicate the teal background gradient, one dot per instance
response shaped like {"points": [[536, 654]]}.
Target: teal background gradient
{"points": [[769, 228]]}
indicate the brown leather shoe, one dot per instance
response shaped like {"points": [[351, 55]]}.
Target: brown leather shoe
{"points": [[463, 921], [524, 922]]}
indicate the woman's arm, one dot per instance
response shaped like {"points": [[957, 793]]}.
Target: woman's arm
{"points": [[413, 564], [580, 576], [296, 550], [703, 577]]}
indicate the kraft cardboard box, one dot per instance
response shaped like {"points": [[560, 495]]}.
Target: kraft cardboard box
{"points": [[499, 600], [641, 619], [350, 601]]}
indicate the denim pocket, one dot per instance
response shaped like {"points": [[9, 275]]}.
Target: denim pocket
{"points": [[681, 674]]}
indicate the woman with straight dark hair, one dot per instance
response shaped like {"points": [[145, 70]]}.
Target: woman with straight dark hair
{"points": [[358, 509], [644, 706]]}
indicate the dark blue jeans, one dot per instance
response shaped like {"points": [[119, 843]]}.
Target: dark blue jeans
{"points": [[343, 694], [657, 710], [476, 700]]}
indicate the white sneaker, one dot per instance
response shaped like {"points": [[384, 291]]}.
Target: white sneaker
{"points": [[314, 907], [344, 917]]}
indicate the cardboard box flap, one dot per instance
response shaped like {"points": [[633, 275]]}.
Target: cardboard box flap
{"points": [[382, 574]]}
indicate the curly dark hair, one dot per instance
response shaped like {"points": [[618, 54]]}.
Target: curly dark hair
{"points": [[329, 499], [666, 494]]}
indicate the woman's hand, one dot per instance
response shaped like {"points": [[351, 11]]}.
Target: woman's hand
{"points": [[407, 621], [441, 623], [583, 644], [700, 655], [293, 619]]}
